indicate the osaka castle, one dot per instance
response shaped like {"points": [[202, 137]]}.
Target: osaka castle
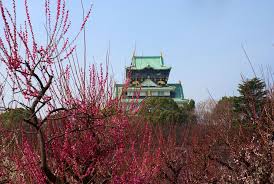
{"points": [[148, 77]]}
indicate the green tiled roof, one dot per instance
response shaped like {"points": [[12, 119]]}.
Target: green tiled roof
{"points": [[141, 62]]}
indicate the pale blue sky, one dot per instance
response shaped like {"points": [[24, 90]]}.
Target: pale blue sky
{"points": [[200, 39]]}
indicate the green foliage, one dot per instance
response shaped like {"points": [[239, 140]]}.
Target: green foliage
{"points": [[252, 99], [245, 108], [165, 110], [226, 103], [13, 117], [189, 106], [160, 110], [225, 110], [227, 100], [188, 111]]}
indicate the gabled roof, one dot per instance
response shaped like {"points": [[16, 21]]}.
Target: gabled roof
{"points": [[148, 83], [142, 62]]}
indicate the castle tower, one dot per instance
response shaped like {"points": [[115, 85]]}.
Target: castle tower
{"points": [[148, 76]]}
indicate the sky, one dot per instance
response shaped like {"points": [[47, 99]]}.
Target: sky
{"points": [[200, 39]]}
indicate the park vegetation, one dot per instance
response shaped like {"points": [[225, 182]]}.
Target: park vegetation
{"points": [[60, 122]]}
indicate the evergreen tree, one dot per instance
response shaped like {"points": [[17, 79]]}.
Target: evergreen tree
{"points": [[13, 118], [165, 110], [252, 99], [161, 110], [188, 112]]}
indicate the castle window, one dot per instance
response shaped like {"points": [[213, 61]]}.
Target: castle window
{"points": [[161, 93], [143, 93], [130, 93], [154, 93]]}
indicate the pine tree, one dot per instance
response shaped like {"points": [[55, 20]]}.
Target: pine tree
{"points": [[252, 99]]}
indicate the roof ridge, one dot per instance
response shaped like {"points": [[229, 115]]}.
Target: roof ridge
{"points": [[155, 62]]}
